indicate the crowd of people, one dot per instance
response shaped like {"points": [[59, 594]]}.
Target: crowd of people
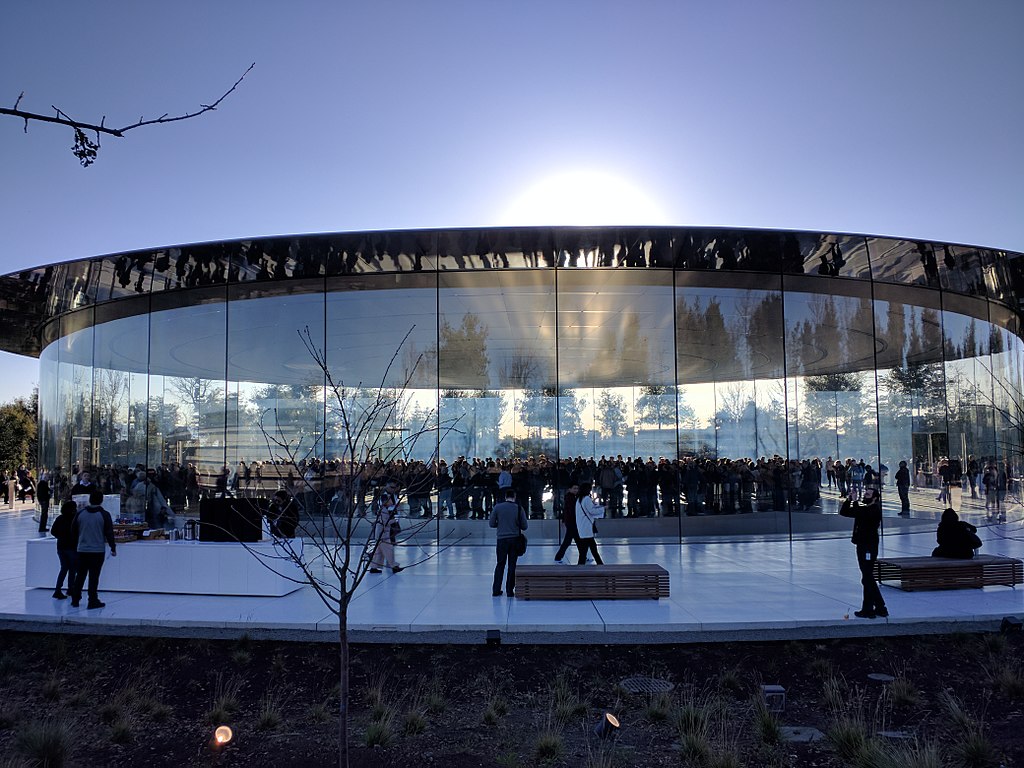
{"points": [[468, 488]]}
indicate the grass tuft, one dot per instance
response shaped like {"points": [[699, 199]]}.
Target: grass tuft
{"points": [[549, 746], [497, 708], [848, 738], [46, 742], [380, 733], [769, 729], [122, 730], [659, 705], [270, 716], [225, 699], [320, 712]]}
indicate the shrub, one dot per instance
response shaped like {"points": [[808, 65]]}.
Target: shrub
{"points": [[904, 693], [658, 707], [1007, 680], [379, 733], [974, 750], [695, 747], [731, 681], [848, 738], [121, 730], [549, 745], [835, 693], [497, 708], [958, 715], [225, 699], [46, 742], [51, 688], [320, 712], [269, 716], [414, 722], [769, 729]]}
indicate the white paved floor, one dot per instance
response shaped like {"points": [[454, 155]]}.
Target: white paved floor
{"points": [[720, 590]]}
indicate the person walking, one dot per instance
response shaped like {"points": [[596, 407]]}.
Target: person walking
{"points": [[569, 521], [587, 513], [91, 531], [867, 519], [510, 520], [66, 552]]}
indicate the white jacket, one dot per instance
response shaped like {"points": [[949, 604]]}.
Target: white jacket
{"points": [[587, 511]]}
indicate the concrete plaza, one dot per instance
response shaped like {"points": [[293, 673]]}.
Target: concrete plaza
{"points": [[722, 588]]}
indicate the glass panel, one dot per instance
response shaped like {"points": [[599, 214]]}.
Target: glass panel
{"points": [[832, 412], [187, 367], [274, 381], [121, 352], [731, 403], [904, 261], [76, 448], [829, 255], [50, 422], [616, 344]]}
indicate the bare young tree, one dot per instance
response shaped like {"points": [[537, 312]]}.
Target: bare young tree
{"points": [[335, 555], [84, 148]]}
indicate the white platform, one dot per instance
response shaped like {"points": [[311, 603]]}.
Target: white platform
{"points": [[180, 567], [722, 589]]}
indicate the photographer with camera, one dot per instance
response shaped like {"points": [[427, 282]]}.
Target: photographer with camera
{"points": [[867, 519]]}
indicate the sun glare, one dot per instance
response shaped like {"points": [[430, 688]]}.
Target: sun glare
{"points": [[583, 198]]}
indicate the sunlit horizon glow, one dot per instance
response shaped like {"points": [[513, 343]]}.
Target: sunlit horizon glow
{"points": [[583, 198]]}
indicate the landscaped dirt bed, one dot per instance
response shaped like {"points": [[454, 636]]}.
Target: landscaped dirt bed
{"points": [[952, 700]]}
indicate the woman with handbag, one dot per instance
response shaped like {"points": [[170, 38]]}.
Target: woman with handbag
{"points": [[587, 512]]}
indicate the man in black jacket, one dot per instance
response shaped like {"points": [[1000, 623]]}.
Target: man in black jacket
{"points": [[867, 518]]}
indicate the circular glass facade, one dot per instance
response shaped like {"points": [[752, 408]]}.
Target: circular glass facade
{"points": [[720, 349]]}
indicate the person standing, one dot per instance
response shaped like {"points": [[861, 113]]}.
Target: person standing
{"points": [[569, 521], [867, 519], [66, 552], [387, 515], [43, 495], [903, 488], [510, 520], [91, 531], [587, 513]]}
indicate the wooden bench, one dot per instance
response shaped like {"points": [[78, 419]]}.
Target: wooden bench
{"points": [[591, 582], [916, 573]]}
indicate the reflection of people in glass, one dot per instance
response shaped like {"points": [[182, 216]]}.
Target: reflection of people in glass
{"points": [[283, 516]]}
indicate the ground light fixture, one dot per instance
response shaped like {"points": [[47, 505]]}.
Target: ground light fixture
{"points": [[223, 735], [607, 726]]}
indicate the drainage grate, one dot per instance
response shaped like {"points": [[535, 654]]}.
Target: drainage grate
{"points": [[646, 685]]}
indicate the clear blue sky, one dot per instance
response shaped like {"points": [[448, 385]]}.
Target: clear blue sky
{"points": [[889, 117]]}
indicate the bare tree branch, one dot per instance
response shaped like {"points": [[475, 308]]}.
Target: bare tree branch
{"points": [[88, 147]]}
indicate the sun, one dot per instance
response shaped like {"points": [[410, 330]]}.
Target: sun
{"points": [[583, 198]]}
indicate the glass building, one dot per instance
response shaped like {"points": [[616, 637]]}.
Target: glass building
{"points": [[714, 346]]}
